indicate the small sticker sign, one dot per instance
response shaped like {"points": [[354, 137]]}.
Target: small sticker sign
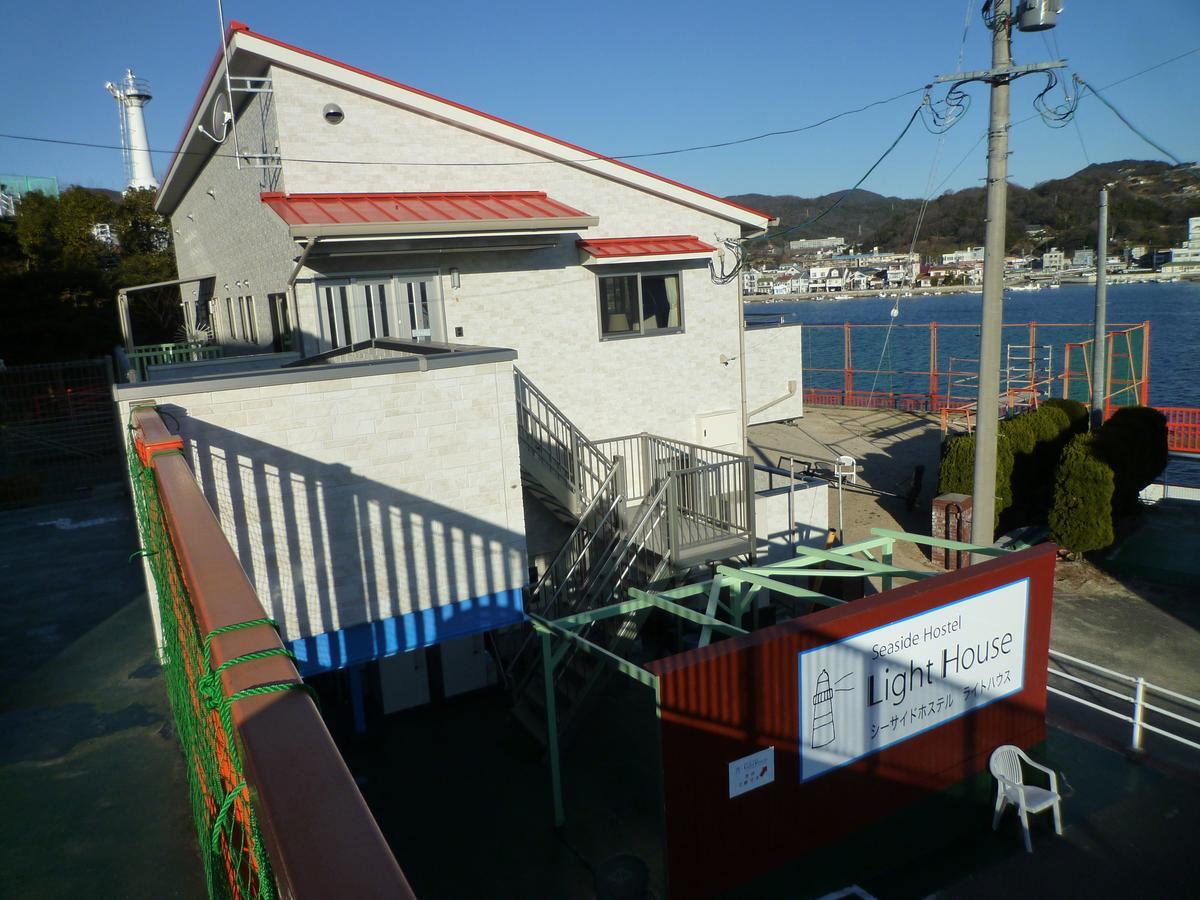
{"points": [[751, 772]]}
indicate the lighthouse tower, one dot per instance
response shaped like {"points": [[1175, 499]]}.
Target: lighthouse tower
{"points": [[822, 718], [131, 95]]}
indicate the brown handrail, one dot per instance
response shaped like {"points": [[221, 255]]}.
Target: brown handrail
{"points": [[320, 835]]}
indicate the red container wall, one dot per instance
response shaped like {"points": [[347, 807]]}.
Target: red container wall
{"points": [[725, 702]]}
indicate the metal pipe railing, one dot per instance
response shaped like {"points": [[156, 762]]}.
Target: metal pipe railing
{"points": [[1140, 705], [320, 836]]}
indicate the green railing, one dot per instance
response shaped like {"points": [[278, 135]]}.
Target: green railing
{"points": [[160, 354]]}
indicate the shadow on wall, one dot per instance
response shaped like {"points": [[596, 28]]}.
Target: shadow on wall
{"points": [[350, 568]]}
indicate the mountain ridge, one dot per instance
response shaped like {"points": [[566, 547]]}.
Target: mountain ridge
{"points": [[1149, 203]]}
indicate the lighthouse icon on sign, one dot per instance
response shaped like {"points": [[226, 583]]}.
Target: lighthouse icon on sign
{"points": [[822, 716]]}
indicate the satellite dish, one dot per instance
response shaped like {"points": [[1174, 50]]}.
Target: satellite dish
{"points": [[222, 116]]}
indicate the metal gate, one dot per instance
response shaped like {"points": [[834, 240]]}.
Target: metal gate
{"points": [[58, 430]]}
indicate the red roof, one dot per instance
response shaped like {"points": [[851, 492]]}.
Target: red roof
{"points": [[606, 248], [473, 210]]}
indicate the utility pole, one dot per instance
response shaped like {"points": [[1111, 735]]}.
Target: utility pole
{"points": [[1099, 337], [987, 417]]}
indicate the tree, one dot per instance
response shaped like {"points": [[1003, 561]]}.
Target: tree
{"points": [[37, 229], [79, 209], [139, 228]]}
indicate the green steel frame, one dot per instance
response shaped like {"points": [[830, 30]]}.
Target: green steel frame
{"points": [[744, 585]]}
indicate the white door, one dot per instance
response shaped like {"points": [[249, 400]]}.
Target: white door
{"points": [[423, 306]]}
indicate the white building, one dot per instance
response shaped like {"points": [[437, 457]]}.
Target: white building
{"points": [[1053, 260], [1084, 258], [819, 246], [971, 254], [403, 288], [1186, 259]]}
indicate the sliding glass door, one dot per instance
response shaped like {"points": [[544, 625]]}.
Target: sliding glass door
{"points": [[408, 307]]}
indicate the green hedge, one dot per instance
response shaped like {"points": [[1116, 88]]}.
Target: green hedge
{"points": [[1075, 411], [956, 473], [1027, 451], [1081, 516], [1133, 442]]}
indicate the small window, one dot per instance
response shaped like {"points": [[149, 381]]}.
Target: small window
{"points": [[251, 324], [229, 319], [640, 304], [281, 329]]}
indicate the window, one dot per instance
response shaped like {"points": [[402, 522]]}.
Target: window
{"points": [[251, 324], [640, 304], [229, 320], [363, 307], [281, 329]]}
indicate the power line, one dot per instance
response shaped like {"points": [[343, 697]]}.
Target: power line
{"points": [[838, 202], [594, 158], [1116, 112]]}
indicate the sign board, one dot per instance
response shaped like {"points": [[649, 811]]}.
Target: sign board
{"points": [[879, 687], [751, 772]]}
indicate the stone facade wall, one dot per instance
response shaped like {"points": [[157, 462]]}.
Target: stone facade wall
{"points": [[542, 303], [364, 497]]}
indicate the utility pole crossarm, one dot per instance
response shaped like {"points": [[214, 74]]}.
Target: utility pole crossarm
{"points": [[1001, 73]]}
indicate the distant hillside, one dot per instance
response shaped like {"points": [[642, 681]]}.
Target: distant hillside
{"points": [[855, 220], [1149, 203]]}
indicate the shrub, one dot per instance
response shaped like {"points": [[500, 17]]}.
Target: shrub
{"points": [[1019, 433], [956, 474], [1076, 412], [1133, 442], [1049, 422], [1081, 515]]}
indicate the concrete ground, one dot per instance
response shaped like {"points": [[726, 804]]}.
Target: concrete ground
{"points": [[95, 788], [888, 446], [95, 794]]}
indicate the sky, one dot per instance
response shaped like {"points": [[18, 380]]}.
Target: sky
{"points": [[634, 77]]}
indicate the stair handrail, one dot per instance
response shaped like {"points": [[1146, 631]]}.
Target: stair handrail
{"points": [[588, 465], [588, 525], [585, 526]]}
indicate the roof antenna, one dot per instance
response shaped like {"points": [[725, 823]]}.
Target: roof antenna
{"points": [[227, 121]]}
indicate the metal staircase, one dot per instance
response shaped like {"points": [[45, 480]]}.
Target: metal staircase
{"points": [[645, 507]]}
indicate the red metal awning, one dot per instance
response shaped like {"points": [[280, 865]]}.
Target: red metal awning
{"points": [[468, 212], [624, 249]]}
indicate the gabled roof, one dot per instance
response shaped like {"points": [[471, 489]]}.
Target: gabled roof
{"points": [[321, 215], [251, 54]]}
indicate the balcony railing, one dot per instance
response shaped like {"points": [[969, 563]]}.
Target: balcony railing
{"points": [[148, 355]]}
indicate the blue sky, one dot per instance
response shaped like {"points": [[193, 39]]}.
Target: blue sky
{"points": [[628, 77]]}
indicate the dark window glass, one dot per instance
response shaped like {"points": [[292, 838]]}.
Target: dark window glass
{"points": [[333, 335], [660, 303], [381, 292], [345, 294], [367, 289], [619, 305]]}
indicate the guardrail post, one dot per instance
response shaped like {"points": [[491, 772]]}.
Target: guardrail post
{"points": [[672, 516], [552, 730], [1139, 704], [751, 498]]}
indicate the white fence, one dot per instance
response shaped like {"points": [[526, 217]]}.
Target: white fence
{"points": [[1139, 700]]}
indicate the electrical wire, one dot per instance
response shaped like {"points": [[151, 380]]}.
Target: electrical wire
{"points": [[906, 279], [538, 162], [1116, 112], [1057, 54], [842, 199]]}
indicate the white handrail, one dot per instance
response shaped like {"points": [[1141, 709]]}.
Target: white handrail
{"points": [[1140, 704]]}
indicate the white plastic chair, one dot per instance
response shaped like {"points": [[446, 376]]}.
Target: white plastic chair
{"points": [[1011, 788]]}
